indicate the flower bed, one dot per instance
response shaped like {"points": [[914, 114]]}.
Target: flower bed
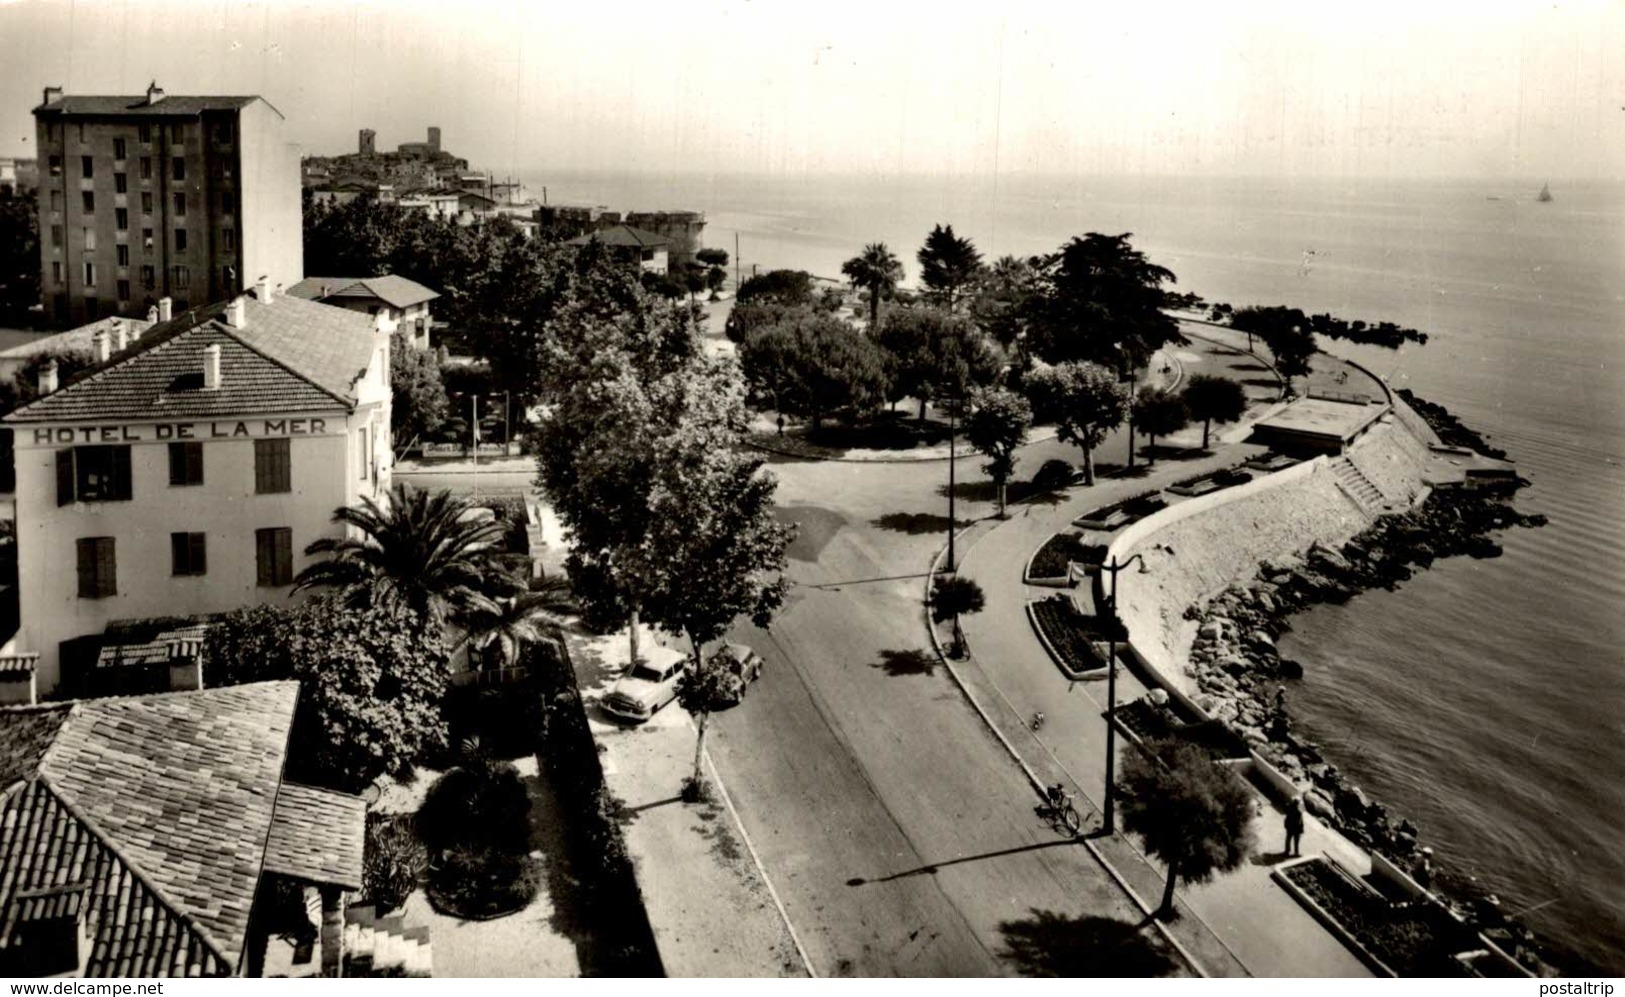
{"points": [[1123, 513], [1069, 634], [1147, 721], [1416, 939], [1202, 484]]}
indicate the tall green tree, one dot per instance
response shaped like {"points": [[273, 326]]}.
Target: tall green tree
{"points": [[419, 552], [1099, 299], [1285, 331], [1212, 398], [418, 402], [997, 427], [1193, 814], [1159, 412], [954, 596], [370, 684], [499, 634], [935, 354], [876, 270], [948, 264], [1088, 402], [1000, 302], [816, 365], [787, 287]]}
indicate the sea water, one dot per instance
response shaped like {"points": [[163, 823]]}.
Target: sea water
{"points": [[1485, 699]]}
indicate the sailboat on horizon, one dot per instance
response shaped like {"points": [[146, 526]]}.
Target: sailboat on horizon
{"points": [[1545, 194]]}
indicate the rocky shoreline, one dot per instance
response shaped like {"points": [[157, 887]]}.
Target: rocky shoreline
{"points": [[1239, 675]]}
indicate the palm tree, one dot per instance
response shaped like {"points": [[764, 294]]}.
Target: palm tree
{"points": [[877, 270], [419, 550], [502, 632]]}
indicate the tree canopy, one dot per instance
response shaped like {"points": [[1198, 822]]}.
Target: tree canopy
{"points": [[935, 354], [19, 259], [948, 264], [1099, 299], [1087, 400], [787, 287], [418, 402], [371, 681], [997, 426], [1159, 412], [876, 270], [814, 365], [1192, 813], [1210, 397], [999, 303]]}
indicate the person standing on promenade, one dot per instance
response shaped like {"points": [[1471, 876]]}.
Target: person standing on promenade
{"points": [[1294, 825]]}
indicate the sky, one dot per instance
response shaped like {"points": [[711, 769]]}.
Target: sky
{"points": [[1368, 88]]}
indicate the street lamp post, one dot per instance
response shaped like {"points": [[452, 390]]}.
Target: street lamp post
{"points": [[1108, 823], [951, 488]]}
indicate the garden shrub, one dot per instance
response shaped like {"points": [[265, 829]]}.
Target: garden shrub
{"points": [[1052, 559], [483, 883], [395, 861], [1069, 633], [483, 804]]}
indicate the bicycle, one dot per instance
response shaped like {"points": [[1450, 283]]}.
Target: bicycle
{"points": [[1058, 809]]}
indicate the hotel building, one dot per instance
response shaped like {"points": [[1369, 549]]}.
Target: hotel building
{"points": [[141, 198], [186, 474]]}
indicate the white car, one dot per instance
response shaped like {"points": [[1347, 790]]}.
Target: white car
{"points": [[648, 685]]}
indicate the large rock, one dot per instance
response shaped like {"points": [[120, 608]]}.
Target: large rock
{"points": [[1316, 803], [1212, 630]]}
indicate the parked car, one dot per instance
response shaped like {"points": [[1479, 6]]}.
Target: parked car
{"points": [[746, 666], [647, 685]]}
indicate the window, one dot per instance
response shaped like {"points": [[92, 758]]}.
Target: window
{"points": [[124, 290], [225, 169], [92, 474], [363, 451], [90, 274], [89, 198], [229, 238], [180, 277], [81, 133], [121, 183], [180, 205], [90, 238], [146, 238], [186, 463], [93, 307], [143, 134], [222, 133], [177, 134], [149, 277], [146, 202], [273, 470], [56, 166], [187, 555], [98, 568], [123, 255], [56, 200], [146, 167], [119, 149], [180, 240], [227, 207], [273, 555], [178, 167], [87, 166], [56, 272], [56, 235], [121, 219]]}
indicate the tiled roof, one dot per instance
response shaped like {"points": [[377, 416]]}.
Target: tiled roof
{"points": [[397, 292], [622, 235], [82, 338], [317, 835], [291, 356], [101, 106], [182, 786], [162, 813]]}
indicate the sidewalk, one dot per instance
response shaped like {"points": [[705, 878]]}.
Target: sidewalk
{"points": [[713, 911]]}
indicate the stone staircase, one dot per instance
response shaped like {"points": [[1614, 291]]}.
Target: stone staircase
{"points": [[384, 946], [1358, 487]]}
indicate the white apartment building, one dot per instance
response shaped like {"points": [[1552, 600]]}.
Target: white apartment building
{"points": [[187, 473], [397, 302]]}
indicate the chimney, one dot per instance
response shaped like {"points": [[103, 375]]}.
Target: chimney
{"points": [[47, 377], [166, 308], [211, 366], [102, 350], [121, 337], [152, 314], [262, 289], [237, 312], [53, 94], [155, 93]]}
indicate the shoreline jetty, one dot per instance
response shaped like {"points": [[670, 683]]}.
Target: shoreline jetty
{"points": [[1223, 580]]}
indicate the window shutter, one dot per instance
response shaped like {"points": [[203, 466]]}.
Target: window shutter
{"points": [[106, 567], [199, 552], [121, 473], [87, 568], [177, 554], [64, 477], [263, 555]]}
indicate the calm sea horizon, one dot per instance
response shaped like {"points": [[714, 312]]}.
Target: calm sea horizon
{"points": [[1484, 700]]}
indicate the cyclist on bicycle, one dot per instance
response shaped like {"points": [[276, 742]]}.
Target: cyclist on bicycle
{"points": [[1056, 795]]}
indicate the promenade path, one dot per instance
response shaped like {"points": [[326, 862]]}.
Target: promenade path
{"points": [[1242, 916]]}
